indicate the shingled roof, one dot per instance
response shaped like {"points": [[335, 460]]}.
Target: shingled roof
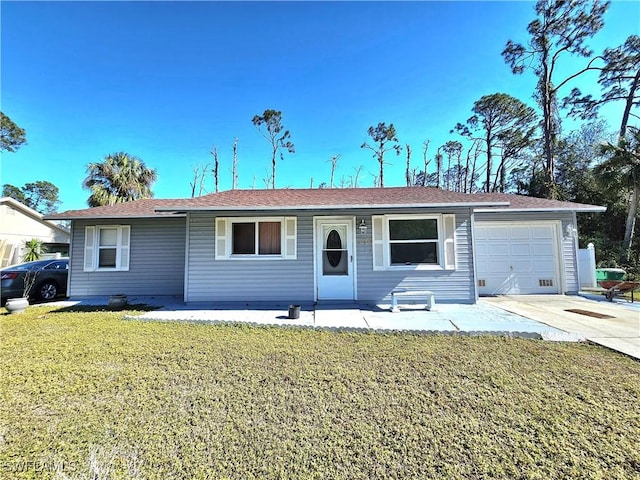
{"points": [[330, 198]]}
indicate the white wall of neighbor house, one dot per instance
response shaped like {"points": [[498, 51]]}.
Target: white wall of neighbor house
{"points": [[292, 280], [156, 260], [16, 228]]}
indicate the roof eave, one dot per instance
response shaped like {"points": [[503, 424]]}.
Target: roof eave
{"points": [[545, 209], [331, 207], [116, 217]]}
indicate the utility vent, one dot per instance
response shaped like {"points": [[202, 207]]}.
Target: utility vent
{"points": [[482, 283], [545, 282]]}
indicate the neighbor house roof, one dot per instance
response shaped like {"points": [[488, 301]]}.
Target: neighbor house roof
{"points": [[30, 212], [327, 199]]}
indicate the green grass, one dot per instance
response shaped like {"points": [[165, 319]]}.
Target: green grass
{"points": [[91, 395]]}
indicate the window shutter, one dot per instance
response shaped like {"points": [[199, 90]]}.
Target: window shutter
{"points": [[125, 240], [377, 234], [221, 238], [290, 238], [89, 248], [449, 222]]}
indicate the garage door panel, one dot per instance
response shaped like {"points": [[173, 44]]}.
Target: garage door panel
{"points": [[498, 249], [497, 233], [516, 259], [543, 249], [523, 249], [520, 266], [544, 232], [493, 269], [520, 233]]}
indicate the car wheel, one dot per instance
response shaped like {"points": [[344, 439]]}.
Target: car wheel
{"points": [[47, 290]]}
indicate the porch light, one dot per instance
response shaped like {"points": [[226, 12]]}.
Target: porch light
{"points": [[571, 231]]}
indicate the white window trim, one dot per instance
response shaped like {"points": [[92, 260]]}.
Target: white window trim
{"points": [[92, 248], [224, 238], [385, 242]]}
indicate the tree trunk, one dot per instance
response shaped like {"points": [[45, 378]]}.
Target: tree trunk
{"points": [[215, 168], [546, 97], [487, 187], [439, 168], [426, 163], [381, 160], [631, 221], [234, 168], [273, 168], [408, 172], [629, 104]]}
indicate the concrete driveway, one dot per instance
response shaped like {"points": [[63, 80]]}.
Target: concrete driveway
{"points": [[615, 325]]}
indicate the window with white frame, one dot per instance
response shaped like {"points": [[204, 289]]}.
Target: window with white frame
{"points": [[265, 237], [107, 247], [413, 242]]}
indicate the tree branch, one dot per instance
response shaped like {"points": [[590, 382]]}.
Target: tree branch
{"points": [[587, 68]]}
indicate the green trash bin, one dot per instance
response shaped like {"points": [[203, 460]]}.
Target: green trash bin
{"points": [[610, 274]]}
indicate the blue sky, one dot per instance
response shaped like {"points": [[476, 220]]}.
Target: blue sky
{"points": [[166, 81]]}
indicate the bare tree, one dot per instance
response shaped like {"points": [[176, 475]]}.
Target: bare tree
{"points": [[425, 147], [280, 140], [384, 138], [408, 169], [357, 175], [199, 175], [376, 179], [334, 163], [215, 169], [234, 166], [267, 180], [438, 168]]}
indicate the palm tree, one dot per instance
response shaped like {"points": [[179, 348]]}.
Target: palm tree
{"points": [[119, 178], [623, 167]]}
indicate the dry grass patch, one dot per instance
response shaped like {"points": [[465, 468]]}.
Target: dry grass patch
{"points": [[90, 395]]}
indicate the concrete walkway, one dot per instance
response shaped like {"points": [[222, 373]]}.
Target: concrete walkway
{"points": [[479, 319], [615, 325], [533, 316]]}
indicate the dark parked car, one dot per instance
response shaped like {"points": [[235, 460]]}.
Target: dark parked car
{"points": [[50, 282]]}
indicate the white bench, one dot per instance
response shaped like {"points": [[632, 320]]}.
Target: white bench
{"points": [[429, 297]]}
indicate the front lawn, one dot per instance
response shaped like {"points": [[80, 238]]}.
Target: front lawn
{"points": [[91, 395]]}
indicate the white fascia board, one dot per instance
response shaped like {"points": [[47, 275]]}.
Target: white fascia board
{"points": [[551, 209], [332, 207], [119, 217]]}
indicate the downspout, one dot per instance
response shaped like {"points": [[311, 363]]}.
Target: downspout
{"points": [[71, 231], [472, 219], [185, 288]]}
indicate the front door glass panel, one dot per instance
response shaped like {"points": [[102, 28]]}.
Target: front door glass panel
{"points": [[334, 253]]}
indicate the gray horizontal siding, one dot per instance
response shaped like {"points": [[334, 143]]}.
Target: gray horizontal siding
{"points": [[292, 280], [156, 260], [260, 280], [568, 248], [448, 286]]}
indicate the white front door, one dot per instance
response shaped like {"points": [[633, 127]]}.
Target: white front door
{"points": [[335, 274], [516, 258]]}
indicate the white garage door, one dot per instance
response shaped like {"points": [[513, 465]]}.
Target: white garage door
{"points": [[515, 258]]}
